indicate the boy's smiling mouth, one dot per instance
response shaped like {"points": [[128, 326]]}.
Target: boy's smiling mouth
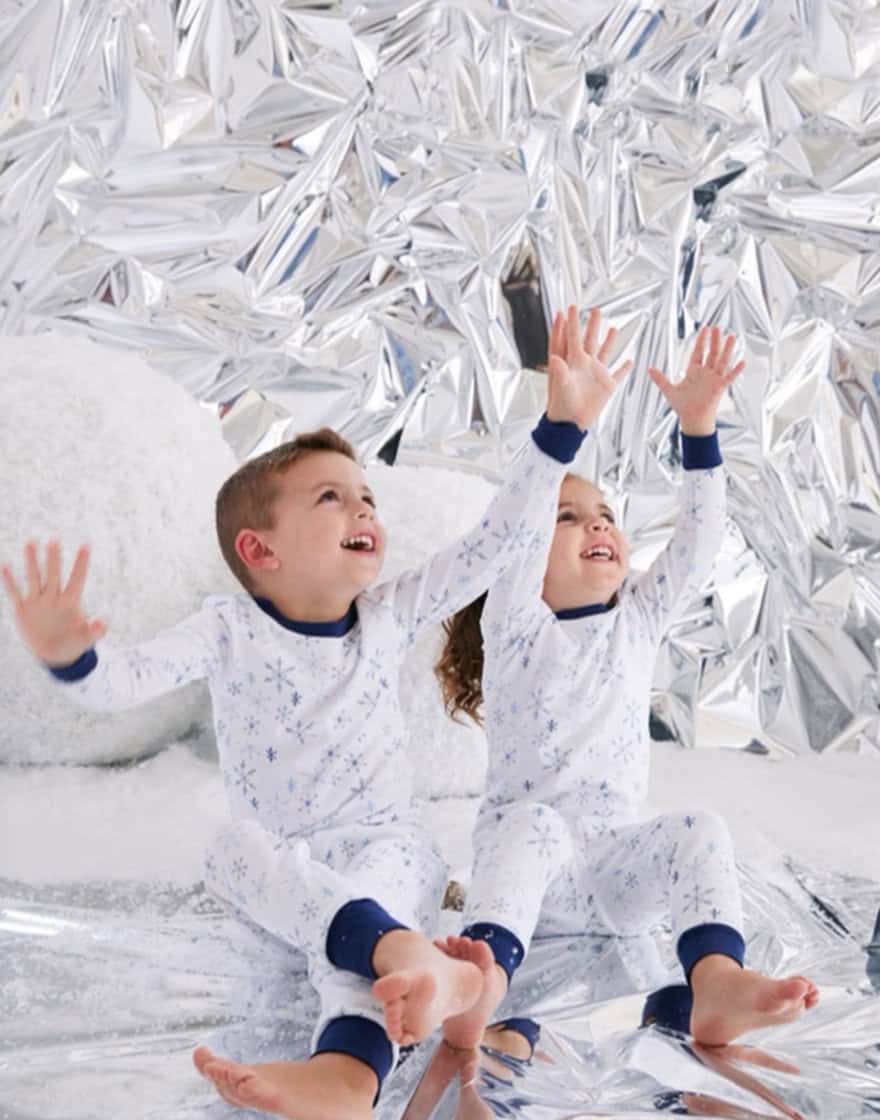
{"points": [[600, 552], [360, 542]]}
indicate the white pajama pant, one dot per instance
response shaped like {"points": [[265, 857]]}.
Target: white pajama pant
{"points": [[294, 887], [537, 874]]}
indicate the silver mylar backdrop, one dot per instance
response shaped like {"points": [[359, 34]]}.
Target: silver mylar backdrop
{"points": [[325, 203]]}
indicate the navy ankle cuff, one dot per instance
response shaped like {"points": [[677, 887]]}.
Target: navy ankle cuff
{"points": [[710, 937], [359, 1038], [353, 934], [507, 949]]}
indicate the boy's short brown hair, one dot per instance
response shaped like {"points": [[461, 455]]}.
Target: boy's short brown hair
{"points": [[246, 500]]}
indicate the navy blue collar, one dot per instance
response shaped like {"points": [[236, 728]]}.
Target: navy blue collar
{"points": [[337, 628], [582, 612]]}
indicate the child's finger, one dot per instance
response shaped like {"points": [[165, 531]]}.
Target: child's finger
{"points": [[97, 630], [557, 370], [78, 573], [592, 331], [11, 586], [572, 332], [555, 335], [605, 348], [659, 378], [622, 370], [53, 567], [729, 344], [697, 355], [32, 568], [728, 378], [714, 340]]}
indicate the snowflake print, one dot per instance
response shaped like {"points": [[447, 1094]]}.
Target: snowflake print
{"points": [[271, 754], [238, 869], [308, 910], [698, 898], [470, 552], [243, 778], [544, 840], [278, 676]]}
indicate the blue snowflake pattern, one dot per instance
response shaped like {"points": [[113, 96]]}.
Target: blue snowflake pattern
{"points": [[243, 778], [278, 676]]}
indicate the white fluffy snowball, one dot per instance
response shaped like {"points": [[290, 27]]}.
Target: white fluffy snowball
{"points": [[100, 449]]}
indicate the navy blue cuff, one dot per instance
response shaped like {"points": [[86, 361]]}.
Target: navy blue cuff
{"points": [[78, 670], [670, 1008], [710, 937], [700, 453], [359, 1038], [353, 933], [507, 949], [528, 1028], [560, 439]]}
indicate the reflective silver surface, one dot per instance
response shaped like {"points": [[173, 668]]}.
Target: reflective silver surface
{"points": [[107, 988]]}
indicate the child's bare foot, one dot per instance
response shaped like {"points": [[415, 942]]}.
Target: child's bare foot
{"points": [[420, 986], [326, 1087], [466, 1031], [729, 1000]]}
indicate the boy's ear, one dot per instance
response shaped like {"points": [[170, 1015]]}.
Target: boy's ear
{"points": [[253, 551]]}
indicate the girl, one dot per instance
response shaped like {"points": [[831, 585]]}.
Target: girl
{"points": [[560, 653]]}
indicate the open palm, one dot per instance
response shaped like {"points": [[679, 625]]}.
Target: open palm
{"points": [[695, 397], [579, 381], [50, 617]]}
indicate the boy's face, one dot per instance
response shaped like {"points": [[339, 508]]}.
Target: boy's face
{"points": [[589, 557], [327, 535]]}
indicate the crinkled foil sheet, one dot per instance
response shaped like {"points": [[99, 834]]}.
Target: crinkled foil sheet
{"points": [[361, 214], [107, 988]]}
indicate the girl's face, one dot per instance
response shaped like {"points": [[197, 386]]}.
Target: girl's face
{"points": [[589, 557]]}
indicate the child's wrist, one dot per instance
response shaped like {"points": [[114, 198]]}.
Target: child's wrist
{"points": [[697, 425]]}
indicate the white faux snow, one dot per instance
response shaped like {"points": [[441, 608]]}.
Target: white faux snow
{"points": [[99, 449], [151, 822]]}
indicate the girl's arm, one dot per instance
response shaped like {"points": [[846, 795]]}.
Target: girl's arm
{"points": [[683, 566]]}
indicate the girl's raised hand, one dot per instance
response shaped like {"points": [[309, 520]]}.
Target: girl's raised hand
{"points": [[579, 384], [695, 398], [49, 617]]}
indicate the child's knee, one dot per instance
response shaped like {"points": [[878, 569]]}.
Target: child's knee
{"points": [[547, 827]]}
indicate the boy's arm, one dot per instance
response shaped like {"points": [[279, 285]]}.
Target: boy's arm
{"points": [[514, 531], [514, 605], [517, 527], [683, 566], [53, 624], [111, 680]]}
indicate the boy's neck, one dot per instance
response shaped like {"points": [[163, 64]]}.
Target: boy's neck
{"points": [[307, 608]]}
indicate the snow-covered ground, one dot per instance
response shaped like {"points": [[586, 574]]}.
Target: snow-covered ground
{"points": [[150, 822]]}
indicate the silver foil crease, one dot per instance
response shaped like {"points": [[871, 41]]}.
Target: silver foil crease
{"points": [[361, 214]]}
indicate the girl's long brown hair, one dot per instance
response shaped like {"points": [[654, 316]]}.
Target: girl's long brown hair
{"points": [[459, 668]]}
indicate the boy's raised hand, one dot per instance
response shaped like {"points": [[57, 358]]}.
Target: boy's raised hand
{"points": [[49, 617], [695, 398], [579, 384]]}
